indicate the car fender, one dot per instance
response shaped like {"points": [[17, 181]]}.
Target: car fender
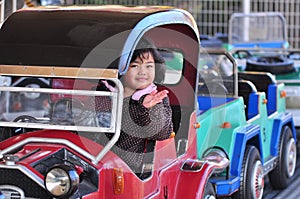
{"points": [[196, 182], [279, 122], [241, 138]]}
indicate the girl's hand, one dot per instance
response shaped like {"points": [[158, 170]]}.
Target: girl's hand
{"points": [[154, 98]]}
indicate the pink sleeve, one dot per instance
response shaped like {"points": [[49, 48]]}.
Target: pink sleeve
{"points": [[138, 94]]}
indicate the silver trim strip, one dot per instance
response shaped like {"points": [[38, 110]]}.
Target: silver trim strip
{"points": [[46, 140], [116, 136], [174, 16], [13, 189], [57, 127], [56, 91], [63, 91]]}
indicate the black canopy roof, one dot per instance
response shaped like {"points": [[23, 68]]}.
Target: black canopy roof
{"points": [[93, 36]]}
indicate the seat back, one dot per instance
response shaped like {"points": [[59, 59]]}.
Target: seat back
{"points": [[261, 80], [245, 89], [264, 82]]}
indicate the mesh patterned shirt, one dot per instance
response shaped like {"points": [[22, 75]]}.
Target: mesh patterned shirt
{"points": [[140, 124]]}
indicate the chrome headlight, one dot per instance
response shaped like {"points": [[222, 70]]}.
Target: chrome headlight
{"points": [[61, 181], [218, 158], [30, 95]]}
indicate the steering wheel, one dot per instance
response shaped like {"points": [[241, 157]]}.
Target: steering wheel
{"points": [[242, 54], [8, 132], [67, 111], [25, 118]]}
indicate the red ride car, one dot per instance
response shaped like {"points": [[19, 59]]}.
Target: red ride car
{"points": [[48, 156]]}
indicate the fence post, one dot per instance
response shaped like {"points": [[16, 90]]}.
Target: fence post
{"points": [[14, 5], [2, 11], [246, 10], [246, 6]]}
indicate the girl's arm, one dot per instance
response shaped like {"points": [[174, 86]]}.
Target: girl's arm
{"points": [[154, 122]]}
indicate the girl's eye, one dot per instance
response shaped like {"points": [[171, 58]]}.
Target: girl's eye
{"points": [[133, 65], [150, 66]]}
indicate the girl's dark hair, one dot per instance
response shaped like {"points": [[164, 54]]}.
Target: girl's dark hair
{"points": [[145, 46]]}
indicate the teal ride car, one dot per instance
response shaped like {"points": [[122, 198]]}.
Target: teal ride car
{"points": [[243, 117]]}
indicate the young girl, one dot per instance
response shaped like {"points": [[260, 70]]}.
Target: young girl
{"points": [[147, 114]]}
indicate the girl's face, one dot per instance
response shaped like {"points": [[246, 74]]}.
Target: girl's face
{"points": [[141, 73]]}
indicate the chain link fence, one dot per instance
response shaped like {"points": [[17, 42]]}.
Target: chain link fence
{"points": [[291, 11], [212, 16]]}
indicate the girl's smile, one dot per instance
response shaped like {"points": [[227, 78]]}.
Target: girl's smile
{"points": [[140, 74]]}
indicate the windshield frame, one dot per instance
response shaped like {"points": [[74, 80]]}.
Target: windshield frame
{"points": [[67, 72]]}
